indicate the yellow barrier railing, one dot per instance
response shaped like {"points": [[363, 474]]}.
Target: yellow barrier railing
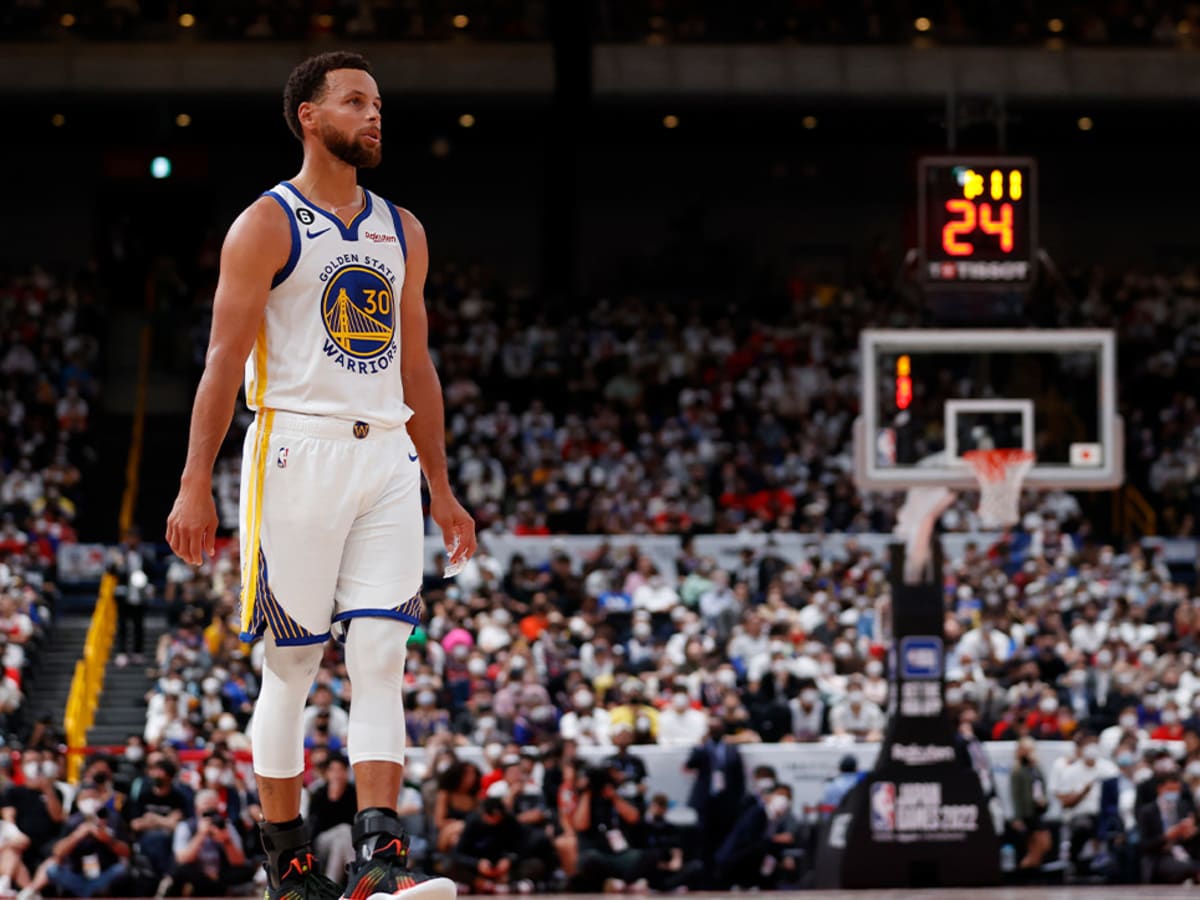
{"points": [[133, 464], [1133, 516], [88, 681]]}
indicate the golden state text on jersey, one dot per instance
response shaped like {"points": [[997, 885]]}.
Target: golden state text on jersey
{"points": [[330, 340]]}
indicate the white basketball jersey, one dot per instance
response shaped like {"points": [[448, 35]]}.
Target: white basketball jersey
{"points": [[329, 344]]}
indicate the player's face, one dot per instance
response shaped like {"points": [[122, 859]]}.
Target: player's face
{"points": [[349, 118]]}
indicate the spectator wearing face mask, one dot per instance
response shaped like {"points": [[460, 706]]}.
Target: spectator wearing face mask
{"points": [[1124, 693], [1076, 694], [35, 807], [323, 706], [154, 811], [1079, 792], [1170, 727], [1089, 633], [331, 811], [1030, 800], [218, 776], [808, 714], [767, 692], [635, 713], [209, 858], [875, 684], [1131, 772], [425, 719], [1169, 835], [856, 716], [212, 703], [681, 724], [586, 723], [1126, 727], [640, 648], [741, 858], [988, 644], [1149, 710], [1046, 722]]}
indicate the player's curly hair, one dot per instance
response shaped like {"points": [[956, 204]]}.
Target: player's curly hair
{"points": [[307, 83]]}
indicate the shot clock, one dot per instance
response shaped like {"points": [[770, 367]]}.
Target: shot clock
{"points": [[978, 221]]}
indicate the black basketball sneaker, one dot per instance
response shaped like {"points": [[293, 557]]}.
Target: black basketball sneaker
{"points": [[380, 870]]}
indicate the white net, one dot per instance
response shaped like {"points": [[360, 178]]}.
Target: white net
{"points": [[1000, 474]]}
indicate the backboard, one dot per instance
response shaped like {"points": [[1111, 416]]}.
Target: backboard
{"points": [[928, 396]]}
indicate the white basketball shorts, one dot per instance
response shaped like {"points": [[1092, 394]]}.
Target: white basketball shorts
{"points": [[331, 526]]}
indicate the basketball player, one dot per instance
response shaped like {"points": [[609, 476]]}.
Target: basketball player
{"points": [[321, 301]]}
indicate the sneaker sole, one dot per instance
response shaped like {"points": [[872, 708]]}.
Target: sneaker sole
{"points": [[433, 889]]}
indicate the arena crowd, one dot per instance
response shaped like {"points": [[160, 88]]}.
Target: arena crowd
{"points": [[643, 420], [48, 353]]}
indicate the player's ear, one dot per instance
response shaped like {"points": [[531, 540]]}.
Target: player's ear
{"points": [[306, 112]]}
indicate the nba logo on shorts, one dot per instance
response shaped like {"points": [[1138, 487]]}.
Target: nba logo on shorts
{"points": [[281, 459], [883, 806]]}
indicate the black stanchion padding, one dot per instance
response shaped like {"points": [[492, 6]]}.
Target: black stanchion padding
{"points": [[920, 818]]}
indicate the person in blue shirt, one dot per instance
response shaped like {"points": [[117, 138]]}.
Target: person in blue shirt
{"points": [[839, 786]]}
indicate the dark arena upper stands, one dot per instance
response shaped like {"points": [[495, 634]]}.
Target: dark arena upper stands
{"points": [[657, 230]]}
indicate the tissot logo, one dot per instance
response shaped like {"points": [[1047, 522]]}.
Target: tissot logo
{"points": [[380, 238]]}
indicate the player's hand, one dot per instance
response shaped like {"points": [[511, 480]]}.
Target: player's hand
{"points": [[192, 525], [458, 528]]}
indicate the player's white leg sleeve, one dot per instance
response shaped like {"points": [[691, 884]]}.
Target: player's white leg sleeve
{"points": [[375, 652], [277, 730]]}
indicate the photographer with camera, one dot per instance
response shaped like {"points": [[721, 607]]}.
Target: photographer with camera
{"points": [[208, 852], [93, 855], [603, 819]]}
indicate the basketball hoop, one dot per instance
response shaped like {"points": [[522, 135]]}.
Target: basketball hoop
{"points": [[1000, 474]]}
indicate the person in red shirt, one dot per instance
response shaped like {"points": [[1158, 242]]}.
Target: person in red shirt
{"points": [[1171, 727], [1045, 723]]}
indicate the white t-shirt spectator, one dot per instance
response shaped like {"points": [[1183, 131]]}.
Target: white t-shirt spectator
{"points": [[1089, 636], [1077, 776], [746, 647], [994, 645], [806, 723], [588, 730], [681, 729], [655, 595], [844, 718]]}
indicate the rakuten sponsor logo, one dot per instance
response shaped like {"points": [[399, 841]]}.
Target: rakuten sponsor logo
{"points": [[921, 754]]}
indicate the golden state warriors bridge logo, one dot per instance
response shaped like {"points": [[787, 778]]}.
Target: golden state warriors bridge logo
{"points": [[358, 309]]}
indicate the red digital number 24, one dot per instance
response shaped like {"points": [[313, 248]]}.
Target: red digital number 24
{"points": [[1001, 227]]}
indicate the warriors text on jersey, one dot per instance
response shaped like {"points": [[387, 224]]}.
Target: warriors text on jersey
{"points": [[329, 344]]}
